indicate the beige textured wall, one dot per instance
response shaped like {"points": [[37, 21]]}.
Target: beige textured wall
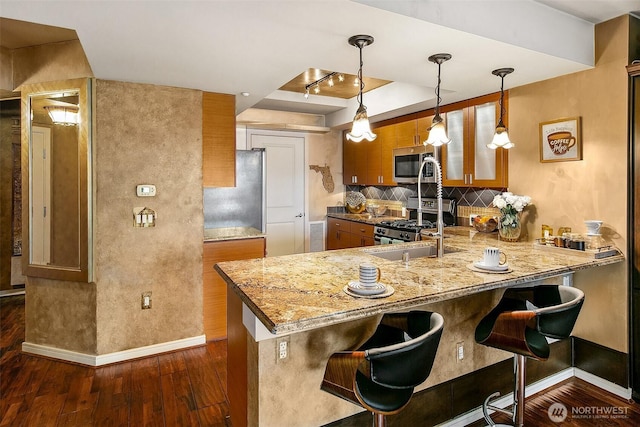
{"points": [[6, 73], [61, 314], [567, 193], [45, 63], [324, 150], [147, 135], [57, 313], [280, 400]]}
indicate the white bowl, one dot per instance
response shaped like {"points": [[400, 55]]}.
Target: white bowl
{"points": [[593, 226]]}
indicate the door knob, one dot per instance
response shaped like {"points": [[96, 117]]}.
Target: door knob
{"points": [[300, 215]]}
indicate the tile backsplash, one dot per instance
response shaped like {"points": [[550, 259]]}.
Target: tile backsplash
{"points": [[470, 200], [475, 197]]}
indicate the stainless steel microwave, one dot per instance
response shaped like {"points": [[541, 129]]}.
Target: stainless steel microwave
{"points": [[407, 161]]}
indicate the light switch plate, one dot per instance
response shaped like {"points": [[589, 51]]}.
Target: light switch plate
{"points": [[146, 190]]}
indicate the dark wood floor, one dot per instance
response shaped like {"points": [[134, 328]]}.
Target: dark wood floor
{"points": [[585, 405], [187, 388], [184, 388]]}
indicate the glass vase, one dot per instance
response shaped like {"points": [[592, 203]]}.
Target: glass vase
{"points": [[510, 227]]}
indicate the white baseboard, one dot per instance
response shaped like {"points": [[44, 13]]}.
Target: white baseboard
{"points": [[11, 292], [507, 400], [613, 388], [119, 356]]}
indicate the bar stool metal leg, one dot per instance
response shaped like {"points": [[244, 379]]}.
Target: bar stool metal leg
{"points": [[517, 412], [518, 393]]}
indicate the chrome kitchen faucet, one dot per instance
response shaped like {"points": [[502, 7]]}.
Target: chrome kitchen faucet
{"points": [[439, 234]]}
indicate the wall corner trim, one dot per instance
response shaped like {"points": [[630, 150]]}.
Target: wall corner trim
{"points": [[604, 384], [109, 358]]}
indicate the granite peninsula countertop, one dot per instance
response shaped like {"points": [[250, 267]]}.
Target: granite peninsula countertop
{"points": [[305, 291], [231, 233], [363, 217]]}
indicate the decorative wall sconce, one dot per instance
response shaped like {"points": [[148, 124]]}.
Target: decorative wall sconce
{"points": [[67, 116]]}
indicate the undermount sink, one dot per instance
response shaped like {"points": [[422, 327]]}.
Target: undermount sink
{"points": [[395, 254]]}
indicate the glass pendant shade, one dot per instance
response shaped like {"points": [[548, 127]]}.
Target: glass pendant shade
{"points": [[361, 129], [63, 115], [500, 139], [437, 133]]}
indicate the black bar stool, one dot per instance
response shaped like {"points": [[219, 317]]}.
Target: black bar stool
{"points": [[521, 323], [381, 375]]}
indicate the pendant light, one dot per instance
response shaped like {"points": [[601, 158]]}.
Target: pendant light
{"points": [[67, 116], [361, 128], [501, 137], [437, 131]]}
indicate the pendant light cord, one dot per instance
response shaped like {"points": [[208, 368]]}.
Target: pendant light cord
{"points": [[438, 99], [501, 123], [360, 76]]}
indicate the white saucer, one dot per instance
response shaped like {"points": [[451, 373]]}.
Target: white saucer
{"points": [[357, 288], [482, 266], [472, 267], [387, 291]]}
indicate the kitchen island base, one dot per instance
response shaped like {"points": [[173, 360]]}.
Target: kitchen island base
{"points": [[287, 392]]}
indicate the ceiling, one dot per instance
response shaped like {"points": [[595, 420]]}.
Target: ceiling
{"points": [[256, 47]]}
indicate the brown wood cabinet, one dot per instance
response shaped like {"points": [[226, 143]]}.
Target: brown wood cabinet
{"points": [[218, 140], [343, 234], [381, 156], [355, 168], [466, 160], [413, 131], [370, 162], [214, 288]]}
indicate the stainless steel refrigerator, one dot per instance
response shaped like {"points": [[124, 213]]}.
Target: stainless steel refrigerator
{"points": [[244, 204]]}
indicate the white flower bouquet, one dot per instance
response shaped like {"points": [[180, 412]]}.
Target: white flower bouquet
{"points": [[510, 206], [508, 202]]}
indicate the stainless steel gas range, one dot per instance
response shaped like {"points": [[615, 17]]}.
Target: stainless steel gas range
{"points": [[408, 230]]}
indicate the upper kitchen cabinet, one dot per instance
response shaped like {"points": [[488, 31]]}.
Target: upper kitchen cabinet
{"points": [[466, 160], [218, 140], [412, 132], [370, 162], [354, 161], [380, 156]]}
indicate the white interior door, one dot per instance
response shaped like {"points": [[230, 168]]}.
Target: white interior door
{"points": [[40, 223], [285, 191]]}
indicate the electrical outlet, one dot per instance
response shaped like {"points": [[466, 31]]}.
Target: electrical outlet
{"points": [[146, 300], [460, 351], [282, 348]]}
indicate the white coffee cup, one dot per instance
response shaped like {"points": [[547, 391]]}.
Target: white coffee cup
{"points": [[369, 274], [493, 257]]}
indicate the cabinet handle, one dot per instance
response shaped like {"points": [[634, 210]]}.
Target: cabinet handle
{"points": [[465, 178], [470, 179]]}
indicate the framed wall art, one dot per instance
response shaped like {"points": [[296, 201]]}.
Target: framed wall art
{"points": [[560, 140]]}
